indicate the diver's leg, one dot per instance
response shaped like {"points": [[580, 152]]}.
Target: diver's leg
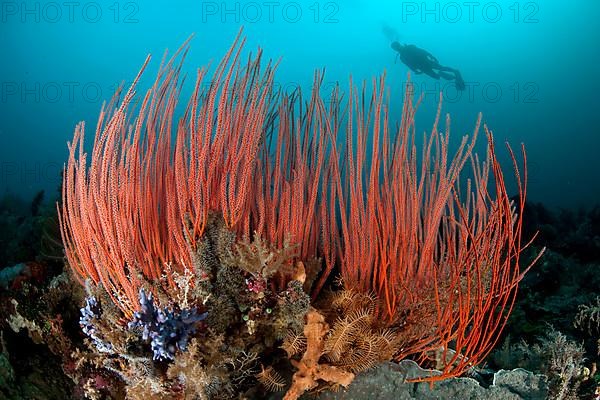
{"points": [[456, 76], [446, 76], [444, 68], [443, 72], [431, 73]]}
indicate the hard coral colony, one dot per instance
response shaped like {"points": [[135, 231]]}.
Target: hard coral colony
{"points": [[211, 246]]}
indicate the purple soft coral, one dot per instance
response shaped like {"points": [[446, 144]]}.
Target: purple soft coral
{"points": [[92, 311], [168, 329]]}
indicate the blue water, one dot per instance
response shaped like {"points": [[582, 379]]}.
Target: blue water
{"points": [[530, 67]]}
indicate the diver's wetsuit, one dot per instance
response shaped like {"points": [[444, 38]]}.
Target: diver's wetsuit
{"points": [[421, 61]]}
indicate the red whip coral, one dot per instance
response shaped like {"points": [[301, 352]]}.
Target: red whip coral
{"points": [[442, 260]]}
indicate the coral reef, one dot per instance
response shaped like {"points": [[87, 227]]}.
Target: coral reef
{"points": [[202, 354], [588, 318], [554, 355], [206, 257], [344, 339], [28, 232], [40, 335], [389, 381], [573, 233], [562, 290]]}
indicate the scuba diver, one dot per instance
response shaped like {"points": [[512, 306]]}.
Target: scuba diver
{"points": [[421, 61]]}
